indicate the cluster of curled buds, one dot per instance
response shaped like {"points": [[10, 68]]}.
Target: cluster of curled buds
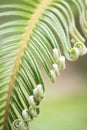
{"points": [[33, 111], [59, 65], [35, 99], [79, 49], [72, 54], [60, 60], [20, 125], [38, 93]]}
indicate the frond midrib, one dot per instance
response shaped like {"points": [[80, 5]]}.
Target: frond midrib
{"points": [[23, 44]]}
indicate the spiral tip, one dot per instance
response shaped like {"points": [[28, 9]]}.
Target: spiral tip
{"points": [[31, 101], [74, 52], [81, 47], [55, 54], [20, 125], [62, 64], [33, 111], [53, 75], [25, 115], [56, 69]]}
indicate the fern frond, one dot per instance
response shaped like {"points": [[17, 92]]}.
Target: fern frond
{"points": [[34, 32]]}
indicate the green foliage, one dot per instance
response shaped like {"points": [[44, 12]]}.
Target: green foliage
{"points": [[34, 32]]}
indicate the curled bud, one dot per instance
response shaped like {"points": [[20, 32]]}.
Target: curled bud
{"points": [[38, 92], [20, 125], [25, 115], [24, 125], [56, 69], [74, 54], [33, 111], [55, 54], [17, 124], [82, 48], [32, 101], [62, 65], [53, 75]]}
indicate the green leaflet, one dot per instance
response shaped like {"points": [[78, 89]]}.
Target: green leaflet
{"points": [[34, 33]]}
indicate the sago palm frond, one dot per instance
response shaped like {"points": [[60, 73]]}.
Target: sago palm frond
{"points": [[34, 32]]}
